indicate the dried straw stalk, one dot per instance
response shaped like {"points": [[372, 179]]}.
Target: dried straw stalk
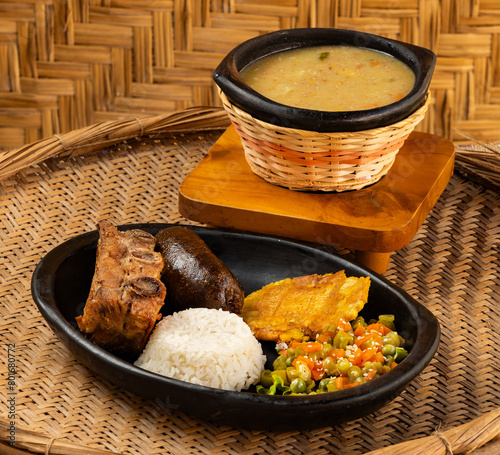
{"points": [[38, 443], [480, 163], [101, 135], [463, 439]]}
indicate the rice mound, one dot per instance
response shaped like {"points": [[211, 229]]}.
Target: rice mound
{"points": [[208, 347]]}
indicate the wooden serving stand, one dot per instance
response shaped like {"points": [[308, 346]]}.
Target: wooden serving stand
{"points": [[374, 221]]}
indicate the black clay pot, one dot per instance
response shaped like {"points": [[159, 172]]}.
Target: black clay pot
{"points": [[227, 77]]}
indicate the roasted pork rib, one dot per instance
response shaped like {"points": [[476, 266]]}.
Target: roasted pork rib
{"points": [[126, 293]]}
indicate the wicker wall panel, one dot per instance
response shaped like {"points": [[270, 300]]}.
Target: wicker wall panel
{"points": [[66, 64]]}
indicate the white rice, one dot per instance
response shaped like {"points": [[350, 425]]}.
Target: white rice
{"points": [[209, 347]]}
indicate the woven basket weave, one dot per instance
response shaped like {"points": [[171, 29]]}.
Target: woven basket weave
{"points": [[452, 266], [309, 160]]}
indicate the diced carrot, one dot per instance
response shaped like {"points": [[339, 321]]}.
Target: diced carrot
{"points": [[384, 330], [393, 365], [374, 63], [330, 334], [345, 326], [380, 328], [317, 374], [375, 326], [367, 354], [362, 339], [350, 385], [311, 346], [379, 357], [337, 353], [356, 358], [322, 338], [369, 376], [359, 330], [339, 383]]}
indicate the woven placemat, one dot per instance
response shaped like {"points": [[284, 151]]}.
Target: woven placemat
{"points": [[67, 64], [451, 266]]}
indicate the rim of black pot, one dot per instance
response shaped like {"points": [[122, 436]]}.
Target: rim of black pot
{"points": [[227, 76]]}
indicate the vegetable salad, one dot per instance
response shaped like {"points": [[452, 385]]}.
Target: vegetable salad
{"points": [[341, 357]]}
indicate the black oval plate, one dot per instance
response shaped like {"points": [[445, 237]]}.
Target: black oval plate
{"points": [[61, 283]]}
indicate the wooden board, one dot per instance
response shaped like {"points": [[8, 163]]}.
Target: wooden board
{"points": [[374, 221]]}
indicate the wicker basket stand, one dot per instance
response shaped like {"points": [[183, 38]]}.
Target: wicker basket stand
{"points": [[309, 160]]}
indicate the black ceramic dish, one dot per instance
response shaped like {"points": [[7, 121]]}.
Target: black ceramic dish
{"points": [[61, 282], [227, 77]]}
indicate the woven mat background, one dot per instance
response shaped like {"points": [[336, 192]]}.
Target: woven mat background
{"points": [[67, 64], [452, 266]]}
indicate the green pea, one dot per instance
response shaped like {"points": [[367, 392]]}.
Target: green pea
{"points": [[387, 320], [330, 366], [401, 354], [291, 373], [298, 385], [354, 373], [280, 363], [325, 349], [311, 383], [299, 350], [391, 338], [361, 380], [337, 339], [389, 349], [342, 340], [266, 378], [303, 370], [357, 322], [314, 356], [289, 360], [331, 387], [282, 375], [343, 365], [323, 384]]}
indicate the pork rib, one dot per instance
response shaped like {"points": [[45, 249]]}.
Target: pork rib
{"points": [[126, 292]]}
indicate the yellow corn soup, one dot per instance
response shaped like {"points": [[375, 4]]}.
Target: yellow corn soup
{"points": [[330, 78]]}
